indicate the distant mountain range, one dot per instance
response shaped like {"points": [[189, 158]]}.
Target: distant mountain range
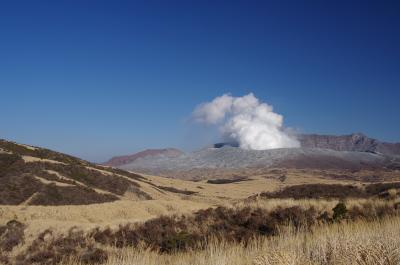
{"points": [[37, 176], [354, 142], [126, 159], [355, 151], [357, 142]]}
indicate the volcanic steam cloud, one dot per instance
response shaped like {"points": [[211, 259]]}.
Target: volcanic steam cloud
{"points": [[247, 121]]}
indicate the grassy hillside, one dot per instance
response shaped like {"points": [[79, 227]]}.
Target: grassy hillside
{"points": [[36, 176], [57, 209]]}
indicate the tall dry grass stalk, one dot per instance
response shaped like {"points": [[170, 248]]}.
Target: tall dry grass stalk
{"points": [[360, 243], [319, 204]]}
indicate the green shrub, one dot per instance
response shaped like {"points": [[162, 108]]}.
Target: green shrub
{"points": [[177, 242], [175, 190], [339, 211]]}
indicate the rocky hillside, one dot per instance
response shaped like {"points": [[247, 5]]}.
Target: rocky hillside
{"points": [[123, 160], [229, 158], [37, 176], [349, 152], [353, 142]]}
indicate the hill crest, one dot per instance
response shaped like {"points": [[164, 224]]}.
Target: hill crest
{"points": [[126, 159], [38, 176]]}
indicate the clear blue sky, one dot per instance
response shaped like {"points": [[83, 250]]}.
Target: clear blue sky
{"points": [[100, 78]]}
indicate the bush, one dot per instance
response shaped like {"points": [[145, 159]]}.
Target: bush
{"points": [[334, 191], [379, 188], [317, 191], [94, 256], [11, 235], [339, 211], [48, 249], [296, 216], [173, 233], [175, 190], [227, 181], [178, 242]]}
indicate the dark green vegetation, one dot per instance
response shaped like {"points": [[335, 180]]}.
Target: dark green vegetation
{"points": [[181, 233], [227, 181], [175, 190], [332, 191], [339, 211], [20, 181]]}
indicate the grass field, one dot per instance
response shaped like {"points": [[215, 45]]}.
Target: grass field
{"points": [[361, 242], [368, 235]]}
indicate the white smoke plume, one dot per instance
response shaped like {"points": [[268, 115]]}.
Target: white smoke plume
{"points": [[246, 120]]}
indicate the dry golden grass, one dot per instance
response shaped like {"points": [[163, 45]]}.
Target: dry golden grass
{"points": [[319, 204], [28, 159], [361, 243], [378, 242], [130, 210], [62, 218], [39, 218], [257, 183]]}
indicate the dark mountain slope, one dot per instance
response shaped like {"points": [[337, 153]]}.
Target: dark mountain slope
{"points": [[353, 142], [122, 160], [37, 176], [348, 152]]}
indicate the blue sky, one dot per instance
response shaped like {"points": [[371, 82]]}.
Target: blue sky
{"points": [[100, 78]]}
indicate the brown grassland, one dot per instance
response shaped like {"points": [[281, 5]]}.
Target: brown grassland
{"points": [[57, 209], [360, 242], [302, 231]]}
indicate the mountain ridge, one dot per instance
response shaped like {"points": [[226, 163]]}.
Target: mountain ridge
{"points": [[37, 176], [352, 142], [348, 152], [126, 159]]}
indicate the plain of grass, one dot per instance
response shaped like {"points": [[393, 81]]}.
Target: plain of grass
{"points": [[360, 242]]}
